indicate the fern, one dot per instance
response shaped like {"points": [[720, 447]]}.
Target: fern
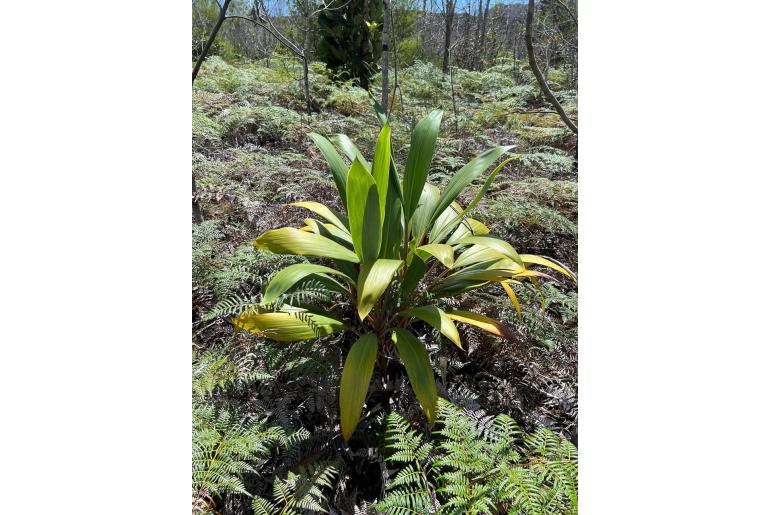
{"points": [[299, 493], [214, 371], [478, 464], [224, 448]]}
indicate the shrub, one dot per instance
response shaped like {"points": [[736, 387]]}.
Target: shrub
{"points": [[260, 124], [205, 131], [401, 250]]}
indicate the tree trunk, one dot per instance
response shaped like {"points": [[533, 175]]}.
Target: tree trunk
{"points": [[483, 42], [477, 39], [305, 53], [212, 37], [536, 71], [196, 208], [385, 33], [449, 13]]}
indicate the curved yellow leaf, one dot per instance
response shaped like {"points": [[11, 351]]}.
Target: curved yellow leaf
{"points": [[436, 317], [540, 260], [289, 276], [288, 240], [489, 325], [288, 327], [324, 212], [512, 296]]}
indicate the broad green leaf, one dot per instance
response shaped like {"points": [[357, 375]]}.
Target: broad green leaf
{"points": [[289, 276], [373, 280], [457, 287], [440, 226], [330, 231], [364, 212], [381, 167], [421, 217], [477, 254], [489, 325], [349, 149], [413, 275], [324, 212], [417, 364], [393, 226], [499, 245], [539, 260], [441, 251], [466, 175], [288, 326], [354, 384], [288, 240], [418, 161], [446, 227], [336, 164], [469, 226], [436, 317]]}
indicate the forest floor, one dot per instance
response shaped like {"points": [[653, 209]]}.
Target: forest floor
{"points": [[251, 156]]}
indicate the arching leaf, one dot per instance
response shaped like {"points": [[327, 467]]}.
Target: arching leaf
{"points": [[354, 384], [441, 251], [373, 280], [288, 326], [325, 213], [436, 317], [489, 325], [417, 364], [288, 240], [539, 260], [289, 276], [336, 164]]}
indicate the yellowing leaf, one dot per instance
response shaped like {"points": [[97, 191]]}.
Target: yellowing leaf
{"points": [[499, 245], [354, 384], [323, 212], [441, 251], [373, 280], [512, 296], [288, 240], [436, 317], [288, 326], [539, 260], [489, 325], [417, 364]]}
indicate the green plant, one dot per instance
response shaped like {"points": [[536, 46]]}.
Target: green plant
{"points": [[474, 465], [298, 493], [224, 448], [401, 250], [350, 42]]}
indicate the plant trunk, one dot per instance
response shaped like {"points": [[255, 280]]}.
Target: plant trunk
{"points": [[212, 37], [536, 71], [483, 42], [196, 208], [448, 18], [385, 32]]}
